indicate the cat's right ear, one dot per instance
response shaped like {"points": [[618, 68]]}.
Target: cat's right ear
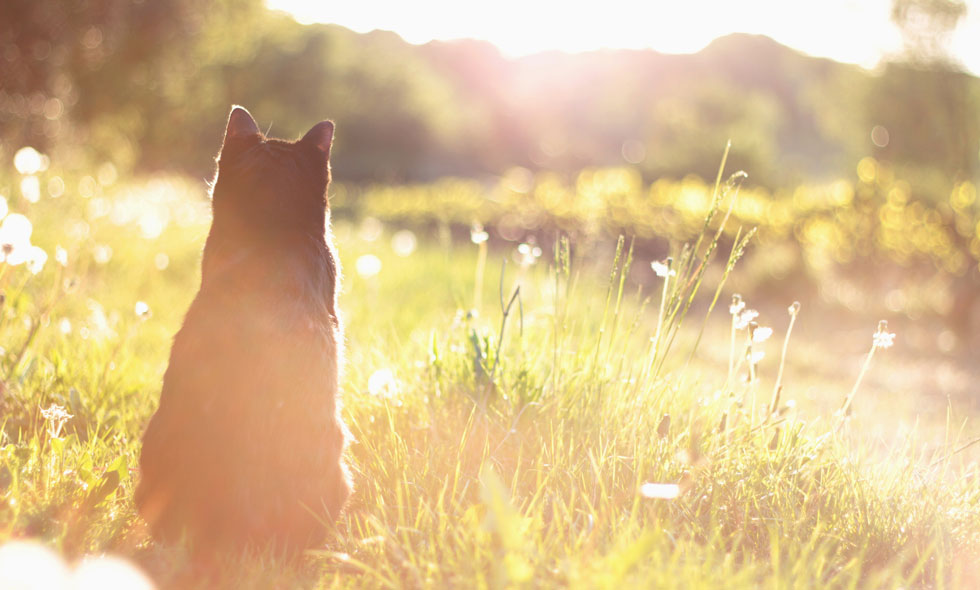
{"points": [[240, 124]]}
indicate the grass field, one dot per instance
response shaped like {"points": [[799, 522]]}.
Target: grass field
{"points": [[513, 447]]}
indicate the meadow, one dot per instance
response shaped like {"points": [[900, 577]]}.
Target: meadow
{"points": [[572, 411]]}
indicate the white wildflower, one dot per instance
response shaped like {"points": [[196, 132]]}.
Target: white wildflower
{"points": [[737, 305], [56, 416], [663, 268], [36, 257], [883, 338], [745, 318], [383, 383], [660, 491], [761, 334], [478, 235], [142, 310], [15, 234], [61, 256]]}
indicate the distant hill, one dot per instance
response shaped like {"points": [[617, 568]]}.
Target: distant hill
{"points": [[789, 115]]}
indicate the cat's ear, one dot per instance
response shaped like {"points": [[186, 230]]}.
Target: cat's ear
{"points": [[240, 124], [320, 137]]}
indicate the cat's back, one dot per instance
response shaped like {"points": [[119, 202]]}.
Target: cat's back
{"points": [[247, 439]]}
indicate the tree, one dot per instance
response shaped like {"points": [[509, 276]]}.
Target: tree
{"points": [[926, 26]]}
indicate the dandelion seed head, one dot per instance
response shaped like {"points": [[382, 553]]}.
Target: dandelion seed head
{"points": [[15, 232], [36, 258]]}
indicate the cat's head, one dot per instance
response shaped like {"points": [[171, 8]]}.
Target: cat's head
{"points": [[270, 187]]}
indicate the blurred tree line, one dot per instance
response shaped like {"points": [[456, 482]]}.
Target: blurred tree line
{"points": [[147, 84]]}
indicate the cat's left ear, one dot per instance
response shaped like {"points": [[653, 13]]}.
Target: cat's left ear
{"points": [[320, 137]]}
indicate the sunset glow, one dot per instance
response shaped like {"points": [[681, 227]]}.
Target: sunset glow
{"points": [[845, 30]]}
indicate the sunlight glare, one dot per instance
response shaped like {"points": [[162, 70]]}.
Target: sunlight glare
{"points": [[846, 30]]}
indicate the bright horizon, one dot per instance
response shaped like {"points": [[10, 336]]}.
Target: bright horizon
{"points": [[852, 31]]}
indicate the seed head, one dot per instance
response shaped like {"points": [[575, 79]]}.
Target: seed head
{"points": [[882, 338], [761, 333], [737, 305], [743, 319], [663, 269], [478, 235]]}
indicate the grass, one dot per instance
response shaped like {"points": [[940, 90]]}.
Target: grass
{"points": [[500, 449]]}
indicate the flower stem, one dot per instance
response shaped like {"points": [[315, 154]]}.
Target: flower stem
{"points": [[778, 388], [850, 397]]}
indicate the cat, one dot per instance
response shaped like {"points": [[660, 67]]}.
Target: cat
{"points": [[247, 445]]}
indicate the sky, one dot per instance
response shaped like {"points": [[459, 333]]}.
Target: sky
{"points": [[854, 31]]}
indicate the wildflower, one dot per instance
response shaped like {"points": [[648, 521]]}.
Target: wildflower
{"points": [[882, 338], [30, 187], [28, 564], [61, 256], [478, 235], [663, 268], [737, 305], [756, 356], [660, 491], [15, 236], [142, 310], [56, 416], [794, 309], [36, 258], [382, 383], [761, 334], [743, 319]]}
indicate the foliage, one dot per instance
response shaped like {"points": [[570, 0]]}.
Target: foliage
{"points": [[127, 81], [487, 454]]}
